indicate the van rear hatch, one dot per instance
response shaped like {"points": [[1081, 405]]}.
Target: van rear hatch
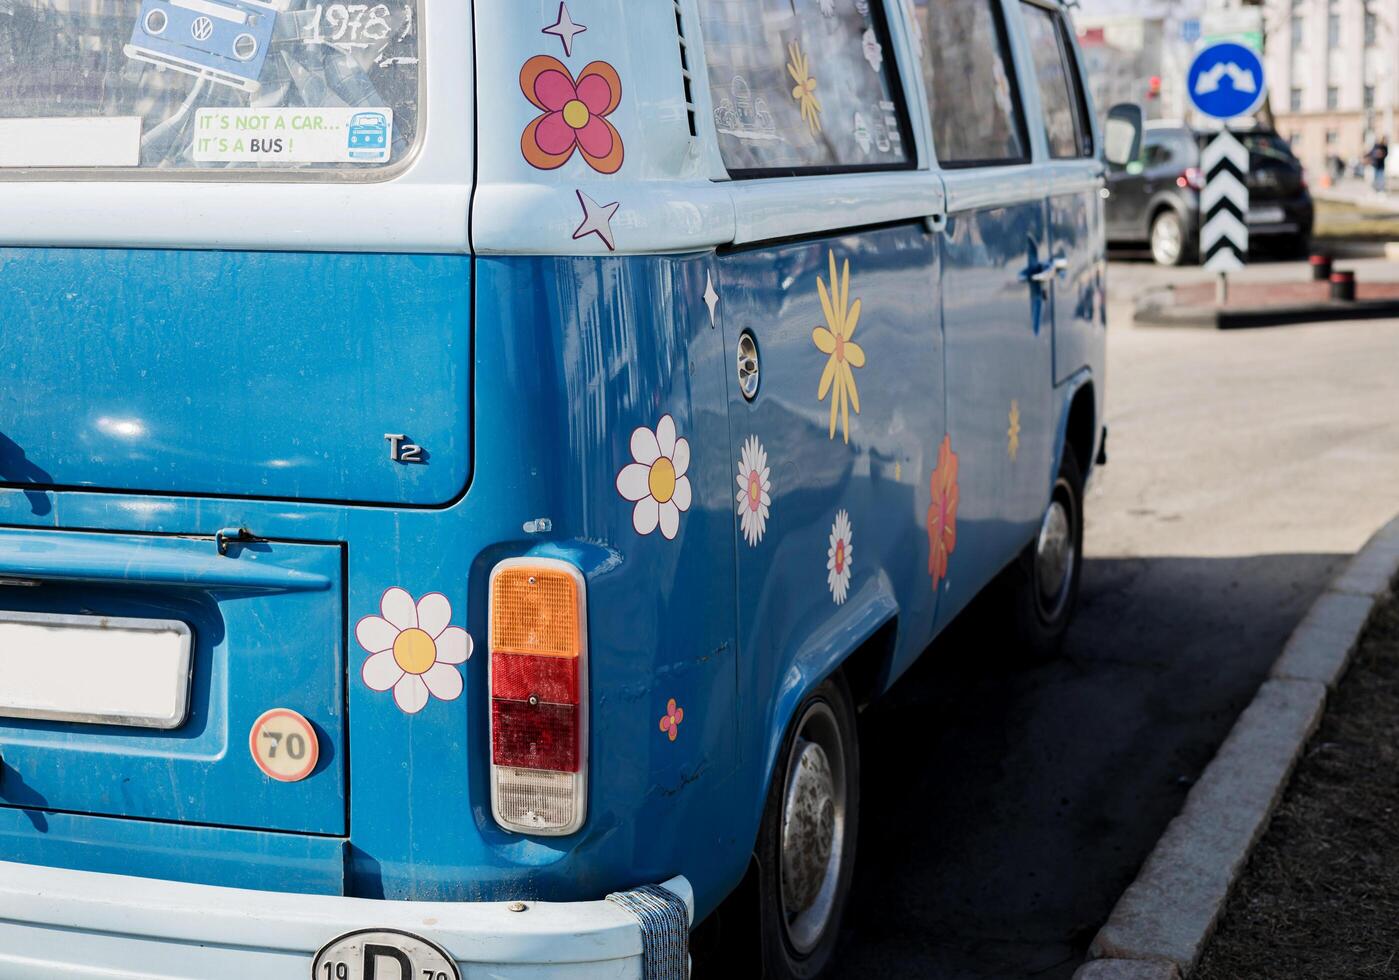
{"points": [[264, 627], [275, 375], [235, 374]]}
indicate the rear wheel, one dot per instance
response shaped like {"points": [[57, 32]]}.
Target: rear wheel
{"points": [[1168, 244], [1041, 588], [806, 847]]}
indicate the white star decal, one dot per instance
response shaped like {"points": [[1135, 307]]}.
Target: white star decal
{"points": [[711, 298], [565, 30], [597, 220]]}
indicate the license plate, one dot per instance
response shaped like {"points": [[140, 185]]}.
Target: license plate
{"points": [[94, 670], [1266, 216]]}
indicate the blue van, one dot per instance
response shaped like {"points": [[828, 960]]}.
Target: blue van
{"points": [[472, 563]]}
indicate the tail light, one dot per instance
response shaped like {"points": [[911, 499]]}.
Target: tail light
{"points": [[1194, 178], [539, 696]]}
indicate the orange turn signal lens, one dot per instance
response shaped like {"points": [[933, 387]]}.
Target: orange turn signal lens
{"points": [[535, 611]]}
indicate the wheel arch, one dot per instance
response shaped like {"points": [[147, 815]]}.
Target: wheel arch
{"points": [[1079, 427]]}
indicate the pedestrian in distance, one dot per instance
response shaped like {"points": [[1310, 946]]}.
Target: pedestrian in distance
{"points": [[1377, 159]]}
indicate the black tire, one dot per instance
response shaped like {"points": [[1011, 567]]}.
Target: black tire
{"points": [[1169, 227], [1039, 612], [800, 946]]}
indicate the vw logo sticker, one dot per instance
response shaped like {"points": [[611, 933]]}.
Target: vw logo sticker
{"points": [[202, 28]]}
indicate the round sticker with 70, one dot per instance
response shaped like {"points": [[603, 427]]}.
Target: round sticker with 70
{"points": [[284, 745]]}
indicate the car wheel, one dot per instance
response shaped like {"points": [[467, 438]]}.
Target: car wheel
{"points": [[1168, 245], [806, 847], [1040, 589]]}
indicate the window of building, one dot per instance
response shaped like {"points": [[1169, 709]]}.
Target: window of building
{"points": [[1333, 31], [1297, 32], [1333, 97], [804, 86], [1294, 100], [1332, 137], [217, 86], [1371, 29], [977, 117], [1061, 97], [1369, 96]]}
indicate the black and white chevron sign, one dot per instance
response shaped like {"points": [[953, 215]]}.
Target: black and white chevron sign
{"points": [[1224, 204]]}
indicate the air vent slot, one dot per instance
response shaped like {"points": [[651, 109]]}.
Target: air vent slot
{"points": [[685, 72]]}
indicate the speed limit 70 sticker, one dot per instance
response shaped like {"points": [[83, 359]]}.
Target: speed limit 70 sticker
{"points": [[284, 745]]}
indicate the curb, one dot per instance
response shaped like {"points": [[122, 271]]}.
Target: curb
{"points": [[1160, 925], [1156, 314]]}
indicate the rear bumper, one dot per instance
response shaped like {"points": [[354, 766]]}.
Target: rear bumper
{"points": [[77, 924]]}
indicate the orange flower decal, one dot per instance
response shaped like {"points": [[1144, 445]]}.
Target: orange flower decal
{"points": [[942, 513], [670, 724], [574, 114]]}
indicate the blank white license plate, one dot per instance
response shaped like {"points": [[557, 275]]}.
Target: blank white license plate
{"points": [[94, 670], [1266, 216]]}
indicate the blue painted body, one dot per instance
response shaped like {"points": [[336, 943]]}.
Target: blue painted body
{"points": [[154, 398]]}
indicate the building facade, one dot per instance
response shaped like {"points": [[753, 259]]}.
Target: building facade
{"points": [[1332, 81]]}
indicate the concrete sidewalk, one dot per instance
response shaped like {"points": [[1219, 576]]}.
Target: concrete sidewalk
{"points": [[1357, 192]]}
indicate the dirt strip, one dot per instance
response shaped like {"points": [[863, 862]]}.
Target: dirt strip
{"points": [[1320, 896]]}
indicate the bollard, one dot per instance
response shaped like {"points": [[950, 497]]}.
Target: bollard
{"points": [[1343, 286], [1321, 268]]}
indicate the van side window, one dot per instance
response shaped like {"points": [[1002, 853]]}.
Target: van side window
{"points": [[977, 119], [1065, 112], [804, 86]]}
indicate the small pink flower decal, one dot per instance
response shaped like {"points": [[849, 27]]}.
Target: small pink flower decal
{"points": [[413, 649], [670, 724], [574, 114]]}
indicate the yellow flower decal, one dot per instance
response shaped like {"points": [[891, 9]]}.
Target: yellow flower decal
{"points": [[799, 67], [1014, 431], [838, 379]]}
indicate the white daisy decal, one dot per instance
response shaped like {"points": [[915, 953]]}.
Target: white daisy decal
{"points": [[839, 556], [754, 490], [657, 480], [413, 649]]}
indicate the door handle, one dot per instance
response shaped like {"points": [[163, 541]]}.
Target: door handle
{"points": [[935, 223], [1048, 273]]}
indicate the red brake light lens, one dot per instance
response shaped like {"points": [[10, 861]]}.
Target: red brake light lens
{"points": [[534, 736], [1193, 178]]}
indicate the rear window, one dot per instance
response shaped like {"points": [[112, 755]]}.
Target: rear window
{"points": [[1269, 145], [804, 86], [208, 85]]}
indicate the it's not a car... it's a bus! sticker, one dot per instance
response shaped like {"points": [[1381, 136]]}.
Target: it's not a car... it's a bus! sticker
{"points": [[293, 135]]}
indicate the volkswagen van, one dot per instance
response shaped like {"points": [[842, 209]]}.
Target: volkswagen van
{"points": [[471, 561]]}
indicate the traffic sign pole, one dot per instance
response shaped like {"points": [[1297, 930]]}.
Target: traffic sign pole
{"points": [[1226, 81]]}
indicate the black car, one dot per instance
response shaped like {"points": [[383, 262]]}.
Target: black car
{"points": [[1156, 198]]}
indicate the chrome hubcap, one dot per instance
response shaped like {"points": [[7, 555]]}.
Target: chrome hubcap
{"points": [[1054, 557], [813, 828], [1166, 240]]}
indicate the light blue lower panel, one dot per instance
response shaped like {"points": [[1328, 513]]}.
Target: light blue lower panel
{"points": [[177, 852]]}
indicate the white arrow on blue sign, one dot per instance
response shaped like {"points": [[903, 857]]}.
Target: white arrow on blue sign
{"points": [[1226, 81]]}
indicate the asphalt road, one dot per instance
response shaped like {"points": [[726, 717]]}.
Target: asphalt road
{"points": [[1006, 806]]}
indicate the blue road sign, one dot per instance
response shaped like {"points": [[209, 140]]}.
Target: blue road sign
{"points": [[1226, 80]]}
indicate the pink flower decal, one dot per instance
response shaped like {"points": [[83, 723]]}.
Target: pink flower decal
{"points": [[670, 724], [574, 114], [413, 649]]}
